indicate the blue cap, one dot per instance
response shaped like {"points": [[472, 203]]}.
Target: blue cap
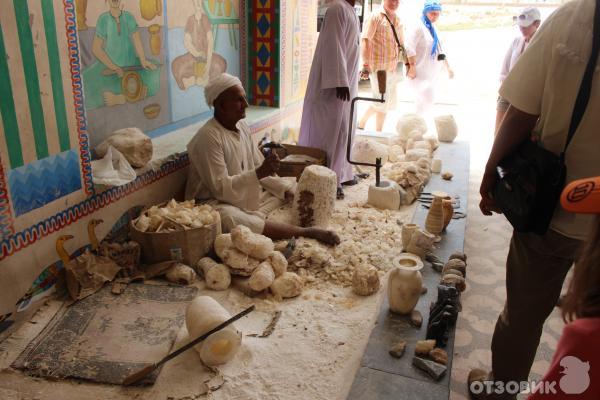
{"points": [[432, 5]]}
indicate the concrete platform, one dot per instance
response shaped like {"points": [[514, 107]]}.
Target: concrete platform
{"points": [[381, 376]]}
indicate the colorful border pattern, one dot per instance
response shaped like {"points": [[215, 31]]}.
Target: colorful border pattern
{"points": [[75, 67], [244, 44], [283, 6], [21, 240], [263, 23]]}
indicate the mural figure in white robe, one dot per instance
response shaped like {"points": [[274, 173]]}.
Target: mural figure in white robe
{"points": [[332, 83]]}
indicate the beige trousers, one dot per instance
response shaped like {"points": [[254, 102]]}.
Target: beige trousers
{"points": [[536, 268], [232, 216]]}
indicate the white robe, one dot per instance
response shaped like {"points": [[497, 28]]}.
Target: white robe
{"points": [[223, 164], [418, 45], [325, 118]]}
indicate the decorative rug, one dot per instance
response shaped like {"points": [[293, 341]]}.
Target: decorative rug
{"points": [[106, 337]]}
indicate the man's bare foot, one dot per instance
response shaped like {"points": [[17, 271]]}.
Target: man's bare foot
{"points": [[325, 236]]}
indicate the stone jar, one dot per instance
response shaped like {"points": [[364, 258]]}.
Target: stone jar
{"points": [[405, 283], [421, 243], [211, 6], [434, 223], [155, 39], [80, 9], [448, 205], [227, 8], [407, 232]]}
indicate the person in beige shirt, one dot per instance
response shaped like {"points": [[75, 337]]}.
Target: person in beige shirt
{"points": [[542, 88], [381, 52], [228, 168]]}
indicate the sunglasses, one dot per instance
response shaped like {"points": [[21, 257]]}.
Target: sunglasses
{"points": [[521, 17]]}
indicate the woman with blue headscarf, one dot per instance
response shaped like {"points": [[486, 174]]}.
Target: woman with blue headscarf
{"points": [[425, 57]]}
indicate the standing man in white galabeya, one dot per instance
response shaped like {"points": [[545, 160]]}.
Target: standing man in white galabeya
{"points": [[332, 82]]}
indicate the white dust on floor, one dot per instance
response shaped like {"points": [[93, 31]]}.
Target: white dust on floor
{"points": [[315, 348]]}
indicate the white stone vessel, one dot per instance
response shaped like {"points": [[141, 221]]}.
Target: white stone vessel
{"points": [[405, 283], [203, 314]]}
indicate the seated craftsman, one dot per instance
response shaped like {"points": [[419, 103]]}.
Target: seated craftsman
{"points": [[226, 165]]}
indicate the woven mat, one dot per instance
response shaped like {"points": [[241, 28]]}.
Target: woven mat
{"points": [[105, 337]]}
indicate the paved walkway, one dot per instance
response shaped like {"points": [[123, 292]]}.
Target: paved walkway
{"points": [[476, 57]]}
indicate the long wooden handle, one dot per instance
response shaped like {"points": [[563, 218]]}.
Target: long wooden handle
{"points": [[382, 81]]}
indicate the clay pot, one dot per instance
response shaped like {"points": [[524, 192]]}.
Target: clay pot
{"points": [[199, 69], [407, 232], [448, 205], [421, 243], [80, 8], [211, 6], [150, 9], [434, 223], [155, 39], [405, 283], [152, 111]]}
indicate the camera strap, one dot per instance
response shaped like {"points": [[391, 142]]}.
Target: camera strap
{"points": [[400, 47], [585, 90]]}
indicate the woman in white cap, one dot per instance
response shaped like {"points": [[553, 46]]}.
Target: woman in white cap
{"points": [[528, 20]]}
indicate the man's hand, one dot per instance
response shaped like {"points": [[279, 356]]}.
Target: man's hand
{"points": [[147, 64], [450, 73], [269, 166], [117, 70], [342, 93], [412, 72], [487, 203]]}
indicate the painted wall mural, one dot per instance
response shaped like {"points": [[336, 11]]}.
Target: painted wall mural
{"points": [[145, 62], [264, 64], [123, 65], [40, 146], [72, 71], [203, 41], [299, 37]]}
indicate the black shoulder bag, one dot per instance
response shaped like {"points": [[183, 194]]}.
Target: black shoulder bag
{"points": [[401, 51], [531, 179]]}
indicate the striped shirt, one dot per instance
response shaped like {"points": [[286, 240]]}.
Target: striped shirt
{"points": [[383, 52]]}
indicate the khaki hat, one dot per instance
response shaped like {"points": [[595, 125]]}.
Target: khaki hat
{"points": [[582, 196], [528, 16]]}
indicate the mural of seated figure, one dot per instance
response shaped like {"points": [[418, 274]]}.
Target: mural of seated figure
{"points": [[119, 52], [200, 64]]}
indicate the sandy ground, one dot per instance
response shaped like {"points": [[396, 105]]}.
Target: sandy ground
{"points": [[313, 352]]}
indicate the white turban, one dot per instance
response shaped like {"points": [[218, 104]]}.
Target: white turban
{"points": [[218, 85]]}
